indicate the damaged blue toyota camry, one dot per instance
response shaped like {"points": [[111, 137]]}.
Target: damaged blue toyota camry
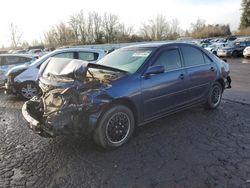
{"points": [[127, 88]]}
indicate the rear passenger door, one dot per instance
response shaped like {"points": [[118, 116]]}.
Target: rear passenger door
{"points": [[201, 70]]}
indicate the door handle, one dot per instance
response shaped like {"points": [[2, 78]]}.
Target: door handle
{"points": [[212, 69], [181, 76]]}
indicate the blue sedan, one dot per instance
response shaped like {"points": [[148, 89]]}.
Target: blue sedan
{"points": [[129, 87]]}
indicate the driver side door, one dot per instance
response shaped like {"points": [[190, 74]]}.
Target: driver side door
{"points": [[165, 91]]}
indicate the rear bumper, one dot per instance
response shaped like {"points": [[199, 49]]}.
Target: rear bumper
{"points": [[33, 123], [63, 122]]}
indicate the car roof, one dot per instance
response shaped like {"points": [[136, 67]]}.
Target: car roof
{"points": [[17, 55], [159, 44], [79, 49]]}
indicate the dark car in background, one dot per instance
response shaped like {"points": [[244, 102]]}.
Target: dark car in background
{"points": [[129, 87], [233, 49]]}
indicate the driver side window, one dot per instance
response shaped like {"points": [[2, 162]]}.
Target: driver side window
{"points": [[170, 59]]}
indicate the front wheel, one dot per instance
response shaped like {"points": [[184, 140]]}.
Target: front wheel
{"points": [[214, 96], [115, 127], [27, 90]]}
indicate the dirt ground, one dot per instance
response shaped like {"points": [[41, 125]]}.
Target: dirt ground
{"points": [[194, 148]]}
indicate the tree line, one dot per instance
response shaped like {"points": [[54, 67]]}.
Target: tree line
{"points": [[94, 28]]}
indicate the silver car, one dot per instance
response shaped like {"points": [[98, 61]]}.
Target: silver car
{"points": [[8, 61]]}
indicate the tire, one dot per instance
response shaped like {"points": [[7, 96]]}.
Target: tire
{"points": [[28, 89], [115, 127], [215, 53], [235, 54], [214, 96]]}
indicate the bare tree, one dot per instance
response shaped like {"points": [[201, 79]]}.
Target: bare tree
{"points": [[15, 36], [175, 29], [90, 28], [197, 27], [156, 29], [74, 25], [65, 35], [110, 23], [98, 32], [82, 27]]}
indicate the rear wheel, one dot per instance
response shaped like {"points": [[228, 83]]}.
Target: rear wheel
{"points": [[115, 127], [214, 96], [27, 90]]}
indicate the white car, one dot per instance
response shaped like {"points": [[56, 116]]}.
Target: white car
{"points": [[38, 52], [8, 61], [22, 79], [246, 52], [213, 48]]}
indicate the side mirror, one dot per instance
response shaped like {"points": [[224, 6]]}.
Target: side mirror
{"points": [[157, 69]]}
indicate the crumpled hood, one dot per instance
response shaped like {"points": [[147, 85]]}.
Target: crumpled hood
{"points": [[70, 68], [62, 67], [62, 72]]}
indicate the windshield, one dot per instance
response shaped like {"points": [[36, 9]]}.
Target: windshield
{"points": [[128, 60], [231, 45]]}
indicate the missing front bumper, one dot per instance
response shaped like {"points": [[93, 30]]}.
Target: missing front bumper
{"points": [[67, 121]]}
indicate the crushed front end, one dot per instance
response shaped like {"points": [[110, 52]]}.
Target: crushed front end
{"points": [[72, 97], [57, 112]]}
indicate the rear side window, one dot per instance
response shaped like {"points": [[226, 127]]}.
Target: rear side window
{"points": [[170, 59], [24, 59], [69, 55], [88, 56], [12, 60], [192, 56]]}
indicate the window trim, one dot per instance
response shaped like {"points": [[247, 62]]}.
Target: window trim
{"points": [[5, 58], [96, 54], [169, 49], [62, 53], [198, 50]]}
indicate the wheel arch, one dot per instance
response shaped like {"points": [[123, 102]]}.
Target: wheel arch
{"points": [[126, 102], [221, 82]]}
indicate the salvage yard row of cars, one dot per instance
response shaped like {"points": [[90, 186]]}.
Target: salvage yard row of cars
{"points": [[236, 48], [88, 92]]}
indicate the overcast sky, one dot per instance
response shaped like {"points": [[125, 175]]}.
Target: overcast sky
{"points": [[34, 17]]}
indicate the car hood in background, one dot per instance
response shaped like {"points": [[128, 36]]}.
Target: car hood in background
{"points": [[17, 68]]}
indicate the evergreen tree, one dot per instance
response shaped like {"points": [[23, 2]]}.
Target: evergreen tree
{"points": [[245, 16]]}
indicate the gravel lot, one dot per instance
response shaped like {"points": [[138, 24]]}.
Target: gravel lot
{"points": [[194, 148]]}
